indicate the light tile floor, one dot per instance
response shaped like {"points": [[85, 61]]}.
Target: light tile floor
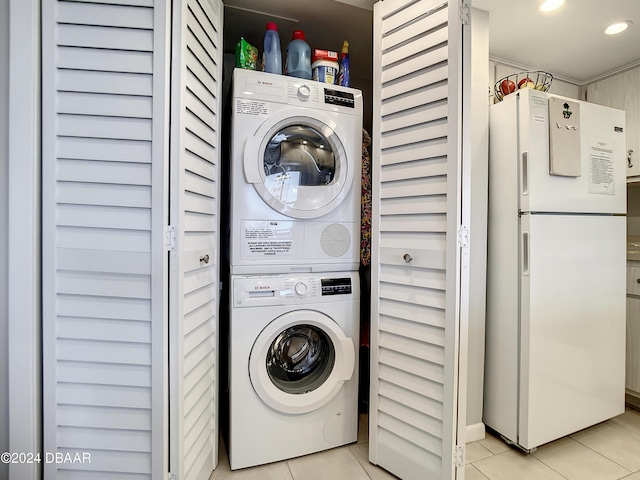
{"points": [[608, 451]]}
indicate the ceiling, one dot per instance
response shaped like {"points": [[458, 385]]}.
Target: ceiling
{"points": [[568, 43]]}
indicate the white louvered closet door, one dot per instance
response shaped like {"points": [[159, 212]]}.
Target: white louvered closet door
{"points": [[104, 265], [194, 287], [416, 217]]}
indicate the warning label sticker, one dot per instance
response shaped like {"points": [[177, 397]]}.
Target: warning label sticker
{"points": [[271, 239], [251, 107], [269, 248]]}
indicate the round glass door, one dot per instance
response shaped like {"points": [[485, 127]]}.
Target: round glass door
{"points": [[298, 152], [300, 361], [299, 166]]}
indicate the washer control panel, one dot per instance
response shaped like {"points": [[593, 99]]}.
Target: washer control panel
{"points": [[336, 286], [283, 289]]}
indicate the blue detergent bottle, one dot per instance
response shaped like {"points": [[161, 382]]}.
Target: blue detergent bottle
{"points": [[271, 55], [298, 62], [344, 76]]}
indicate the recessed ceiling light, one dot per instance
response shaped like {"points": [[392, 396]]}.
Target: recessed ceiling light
{"points": [[550, 5], [617, 27]]}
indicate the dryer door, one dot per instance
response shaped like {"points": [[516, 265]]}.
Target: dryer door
{"points": [[299, 165], [300, 361]]}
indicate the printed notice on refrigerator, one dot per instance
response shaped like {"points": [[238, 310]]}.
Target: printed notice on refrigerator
{"points": [[601, 177]]}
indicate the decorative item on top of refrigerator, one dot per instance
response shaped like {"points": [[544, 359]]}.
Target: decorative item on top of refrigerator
{"points": [[538, 80]]}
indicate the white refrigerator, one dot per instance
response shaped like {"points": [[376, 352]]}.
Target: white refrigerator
{"points": [[555, 332]]}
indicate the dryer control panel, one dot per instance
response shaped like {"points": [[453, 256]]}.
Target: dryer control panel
{"points": [[339, 97], [284, 289], [260, 91]]}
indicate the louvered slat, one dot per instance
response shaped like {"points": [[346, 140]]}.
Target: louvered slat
{"points": [[104, 82], [95, 171], [116, 150], [81, 438], [103, 329], [102, 37], [109, 14], [105, 374]]}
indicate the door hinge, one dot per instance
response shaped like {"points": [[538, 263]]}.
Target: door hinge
{"points": [[170, 238], [463, 236], [172, 476], [465, 14], [458, 456]]}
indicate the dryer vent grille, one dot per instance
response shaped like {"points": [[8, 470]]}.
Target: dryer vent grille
{"points": [[335, 240]]}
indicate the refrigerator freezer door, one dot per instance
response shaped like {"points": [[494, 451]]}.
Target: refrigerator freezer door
{"points": [[601, 185], [573, 284]]}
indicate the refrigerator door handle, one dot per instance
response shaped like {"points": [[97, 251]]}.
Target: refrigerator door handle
{"points": [[525, 253], [525, 173]]}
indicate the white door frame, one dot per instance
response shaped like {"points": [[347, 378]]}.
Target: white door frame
{"points": [[25, 320]]}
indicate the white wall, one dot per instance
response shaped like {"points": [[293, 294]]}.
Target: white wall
{"points": [[4, 185], [478, 224]]}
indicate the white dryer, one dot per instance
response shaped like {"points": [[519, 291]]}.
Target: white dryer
{"points": [[296, 156], [293, 365]]}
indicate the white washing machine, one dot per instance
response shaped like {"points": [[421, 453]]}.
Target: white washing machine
{"points": [[293, 365], [296, 156]]}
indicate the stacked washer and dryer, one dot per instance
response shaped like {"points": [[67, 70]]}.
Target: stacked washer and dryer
{"points": [[294, 254]]}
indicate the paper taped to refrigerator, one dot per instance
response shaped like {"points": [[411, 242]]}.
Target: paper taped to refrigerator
{"points": [[601, 165]]}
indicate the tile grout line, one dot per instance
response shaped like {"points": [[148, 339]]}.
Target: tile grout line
{"points": [[516, 450], [357, 459], [479, 471], [542, 462], [602, 454], [610, 459], [290, 471], [620, 429]]}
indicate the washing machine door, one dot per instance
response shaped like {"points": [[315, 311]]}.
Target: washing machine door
{"points": [[299, 164], [300, 361]]}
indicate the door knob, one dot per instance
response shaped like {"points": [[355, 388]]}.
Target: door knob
{"points": [[205, 258]]}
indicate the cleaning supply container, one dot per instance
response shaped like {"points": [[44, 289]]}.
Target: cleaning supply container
{"points": [[325, 71], [271, 55], [325, 66], [344, 75], [298, 62]]}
